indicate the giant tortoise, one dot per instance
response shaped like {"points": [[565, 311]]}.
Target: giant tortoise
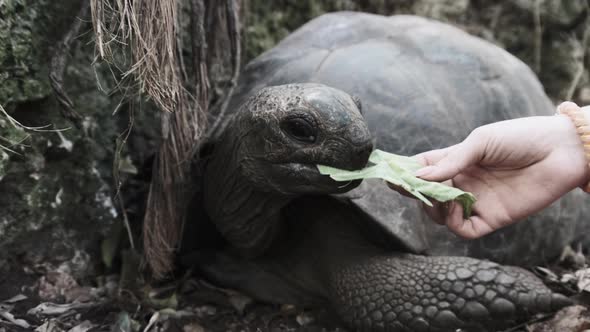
{"points": [[338, 87]]}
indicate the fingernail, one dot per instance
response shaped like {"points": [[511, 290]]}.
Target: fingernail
{"points": [[424, 171]]}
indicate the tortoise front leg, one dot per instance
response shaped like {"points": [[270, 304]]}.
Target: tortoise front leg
{"points": [[417, 293]]}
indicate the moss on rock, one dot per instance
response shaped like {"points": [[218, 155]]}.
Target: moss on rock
{"points": [[28, 31], [509, 23], [57, 193], [269, 22]]}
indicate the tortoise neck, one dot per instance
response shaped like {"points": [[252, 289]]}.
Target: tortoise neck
{"points": [[247, 217]]}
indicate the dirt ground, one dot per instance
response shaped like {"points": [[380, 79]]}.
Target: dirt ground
{"points": [[47, 298]]}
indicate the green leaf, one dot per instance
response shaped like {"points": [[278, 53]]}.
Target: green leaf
{"points": [[407, 163], [399, 170]]}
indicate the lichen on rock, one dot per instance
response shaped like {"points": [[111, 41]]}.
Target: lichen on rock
{"points": [[549, 35], [28, 31], [57, 193]]}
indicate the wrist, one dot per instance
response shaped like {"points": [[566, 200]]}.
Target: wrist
{"points": [[585, 138], [580, 126]]}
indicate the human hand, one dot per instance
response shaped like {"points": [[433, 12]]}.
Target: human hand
{"points": [[515, 168]]}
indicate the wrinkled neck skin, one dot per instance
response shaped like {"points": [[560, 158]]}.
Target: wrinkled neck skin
{"points": [[247, 217]]}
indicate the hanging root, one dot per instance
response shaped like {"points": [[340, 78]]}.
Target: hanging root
{"points": [[151, 30], [234, 30], [58, 65]]}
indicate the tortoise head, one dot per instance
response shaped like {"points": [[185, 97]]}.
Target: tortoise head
{"points": [[285, 131]]}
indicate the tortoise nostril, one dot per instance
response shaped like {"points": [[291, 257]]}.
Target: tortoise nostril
{"points": [[360, 155]]}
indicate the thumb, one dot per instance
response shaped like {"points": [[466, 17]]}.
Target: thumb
{"points": [[455, 160]]}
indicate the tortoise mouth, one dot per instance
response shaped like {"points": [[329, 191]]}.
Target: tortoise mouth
{"points": [[306, 178]]}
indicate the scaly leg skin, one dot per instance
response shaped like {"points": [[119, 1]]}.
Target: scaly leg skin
{"points": [[418, 293]]}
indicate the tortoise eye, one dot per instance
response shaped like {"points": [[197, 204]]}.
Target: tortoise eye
{"points": [[299, 129]]}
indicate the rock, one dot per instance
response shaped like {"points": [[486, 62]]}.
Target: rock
{"points": [[442, 10], [85, 326], [584, 95], [56, 188], [239, 301], [557, 12], [510, 24], [570, 319], [193, 327], [288, 310], [49, 326], [206, 310], [304, 319]]}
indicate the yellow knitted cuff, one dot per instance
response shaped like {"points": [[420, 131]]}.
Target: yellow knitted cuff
{"points": [[576, 115]]}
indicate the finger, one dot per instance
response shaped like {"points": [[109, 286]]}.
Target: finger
{"points": [[472, 228], [438, 212], [457, 159], [426, 159], [399, 189], [567, 107], [431, 157]]}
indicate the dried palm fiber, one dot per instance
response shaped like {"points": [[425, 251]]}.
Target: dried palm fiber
{"points": [[150, 31]]}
